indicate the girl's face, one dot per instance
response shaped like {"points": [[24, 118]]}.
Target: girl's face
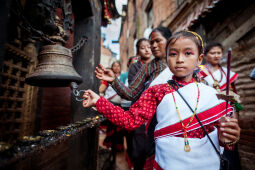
{"points": [[144, 50], [214, 55], [183, 58], [116, 68], [158, 44]]}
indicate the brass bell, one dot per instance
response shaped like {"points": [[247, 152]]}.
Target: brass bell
{"points": [[54, 68]]}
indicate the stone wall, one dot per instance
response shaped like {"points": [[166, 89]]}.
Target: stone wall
{"points": [[136, 22]]}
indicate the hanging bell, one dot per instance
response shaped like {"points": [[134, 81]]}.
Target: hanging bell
{"points": [[54, 68]]}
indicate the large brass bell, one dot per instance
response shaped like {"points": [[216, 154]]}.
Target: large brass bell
{"points": [[54, 68]]}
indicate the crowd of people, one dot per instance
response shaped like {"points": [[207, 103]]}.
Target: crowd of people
{"points": [[169, 107]]}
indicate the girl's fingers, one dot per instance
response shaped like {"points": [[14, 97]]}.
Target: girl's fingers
{"points": [[229, 119], [230, 131], [86, 94], [84, 103], [230, 137], [229, 124]]}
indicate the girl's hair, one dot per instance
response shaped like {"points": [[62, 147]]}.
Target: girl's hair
{"points": [[164, 31], [210, 45], [139, 42], [130, 59], [114, 63], [196, 38]]}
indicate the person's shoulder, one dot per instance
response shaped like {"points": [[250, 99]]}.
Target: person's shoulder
{"points": [[135, 65], [208, 89], [158, 88], [203, 72]]}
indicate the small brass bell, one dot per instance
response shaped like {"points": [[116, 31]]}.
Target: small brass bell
{"points": [[54, 68]]}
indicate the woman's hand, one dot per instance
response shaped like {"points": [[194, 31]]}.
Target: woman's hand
{"points": [[90, 98], [229, 130], [104, 74]]}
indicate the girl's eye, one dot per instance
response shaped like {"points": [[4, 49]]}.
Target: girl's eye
{"points": [[172, 54], [189, 53]]}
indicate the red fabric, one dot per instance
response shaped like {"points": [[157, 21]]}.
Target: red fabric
{"points": [[149, 163], [232, 79], [202, 74], [105, 83], [156, 166], [130, 163]]}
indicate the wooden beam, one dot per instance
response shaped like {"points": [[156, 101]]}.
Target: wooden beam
{"points": [[239, 32]]}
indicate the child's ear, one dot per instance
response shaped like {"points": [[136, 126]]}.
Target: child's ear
{"points": [[200, 59]]}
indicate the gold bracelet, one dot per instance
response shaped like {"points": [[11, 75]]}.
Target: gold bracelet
{"points": [[232, 143]]}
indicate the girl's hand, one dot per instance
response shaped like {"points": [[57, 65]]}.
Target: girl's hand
{"points": [[229, 130], [90, 98], [104, 74]]}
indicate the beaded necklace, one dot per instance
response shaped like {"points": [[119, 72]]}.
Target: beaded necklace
{"points": [[184, 127], [216, 82]]}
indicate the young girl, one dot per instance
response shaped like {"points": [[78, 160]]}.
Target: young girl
{"points": [[137, 137], [180, 141], [214, 74], [108, 91], [144, 52]]}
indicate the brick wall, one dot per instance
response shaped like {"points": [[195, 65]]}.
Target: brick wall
{"points": [[135, 23], [127, 35], [162, 9]]}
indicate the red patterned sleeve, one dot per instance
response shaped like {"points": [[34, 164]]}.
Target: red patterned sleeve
{"points": [[139, 113]]}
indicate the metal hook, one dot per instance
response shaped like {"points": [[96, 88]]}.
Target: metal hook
{"points": [[76, 92]]}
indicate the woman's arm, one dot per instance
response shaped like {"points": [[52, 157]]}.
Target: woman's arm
{"points": [[136, 88], [133, 70], [102, 88]]}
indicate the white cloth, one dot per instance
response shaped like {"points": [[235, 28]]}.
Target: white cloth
{"points": [[163, 77], [111, 95], [170, 154]]}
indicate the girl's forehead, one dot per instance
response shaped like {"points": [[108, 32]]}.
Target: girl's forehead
{"points": [[114, 64], [182, 40], [145, 42], [215, 48]]}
